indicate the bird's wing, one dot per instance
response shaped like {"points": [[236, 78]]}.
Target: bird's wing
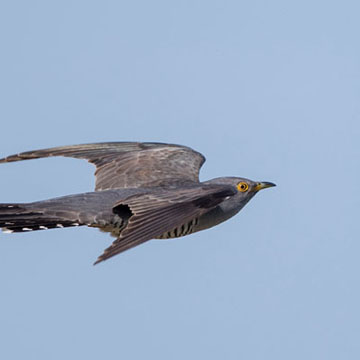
{"points": [[129, 164], [157, 213]]}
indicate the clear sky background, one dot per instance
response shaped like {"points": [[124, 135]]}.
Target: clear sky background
{"points": [[267, 90]]}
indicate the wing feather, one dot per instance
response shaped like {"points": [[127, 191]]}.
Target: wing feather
{"points": [[129, 164], [155, 214]]}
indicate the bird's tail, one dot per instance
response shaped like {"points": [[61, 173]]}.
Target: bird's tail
{"points": [[23, 217]]}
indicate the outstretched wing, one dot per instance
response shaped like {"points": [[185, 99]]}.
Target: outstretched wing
{"points": [[129, 164], [156, 213]]}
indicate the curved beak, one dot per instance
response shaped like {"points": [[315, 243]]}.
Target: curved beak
{"points": [[263, 185]]}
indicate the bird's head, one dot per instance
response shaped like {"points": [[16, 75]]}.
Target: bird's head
{"points": [[246, 189]]}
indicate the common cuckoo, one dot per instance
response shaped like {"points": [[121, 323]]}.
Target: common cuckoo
{"points": [[143, 191]]}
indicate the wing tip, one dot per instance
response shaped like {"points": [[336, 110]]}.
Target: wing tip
{"points": [[29, 155], [7, 159], [101, 258], [98, 260]]}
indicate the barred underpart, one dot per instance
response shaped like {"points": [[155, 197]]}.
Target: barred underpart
{"points": [[114, 228], [182, 230]]}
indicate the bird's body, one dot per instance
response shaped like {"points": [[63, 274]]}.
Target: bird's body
{"points": [[143, 191]]}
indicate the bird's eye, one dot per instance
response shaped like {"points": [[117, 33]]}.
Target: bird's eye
{"points": [[242, 186]]}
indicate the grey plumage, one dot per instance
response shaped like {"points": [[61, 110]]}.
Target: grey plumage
{"points": [[129, 164], [143, 191]]}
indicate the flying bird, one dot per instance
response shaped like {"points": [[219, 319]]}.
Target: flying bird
{"points": [[143, 191]]}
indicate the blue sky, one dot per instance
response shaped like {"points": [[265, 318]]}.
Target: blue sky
{"points": [[265, 90]]}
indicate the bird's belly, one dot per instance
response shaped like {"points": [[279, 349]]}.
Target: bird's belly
{"points": [[182, 230]]}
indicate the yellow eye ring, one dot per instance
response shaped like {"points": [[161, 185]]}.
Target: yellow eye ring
{"points": [[242, 186]]}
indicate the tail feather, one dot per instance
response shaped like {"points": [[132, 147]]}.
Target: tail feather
{"points": [[19, 218]]}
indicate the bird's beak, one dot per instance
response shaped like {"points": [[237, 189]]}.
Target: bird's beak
{"points": [[263, 185]]}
